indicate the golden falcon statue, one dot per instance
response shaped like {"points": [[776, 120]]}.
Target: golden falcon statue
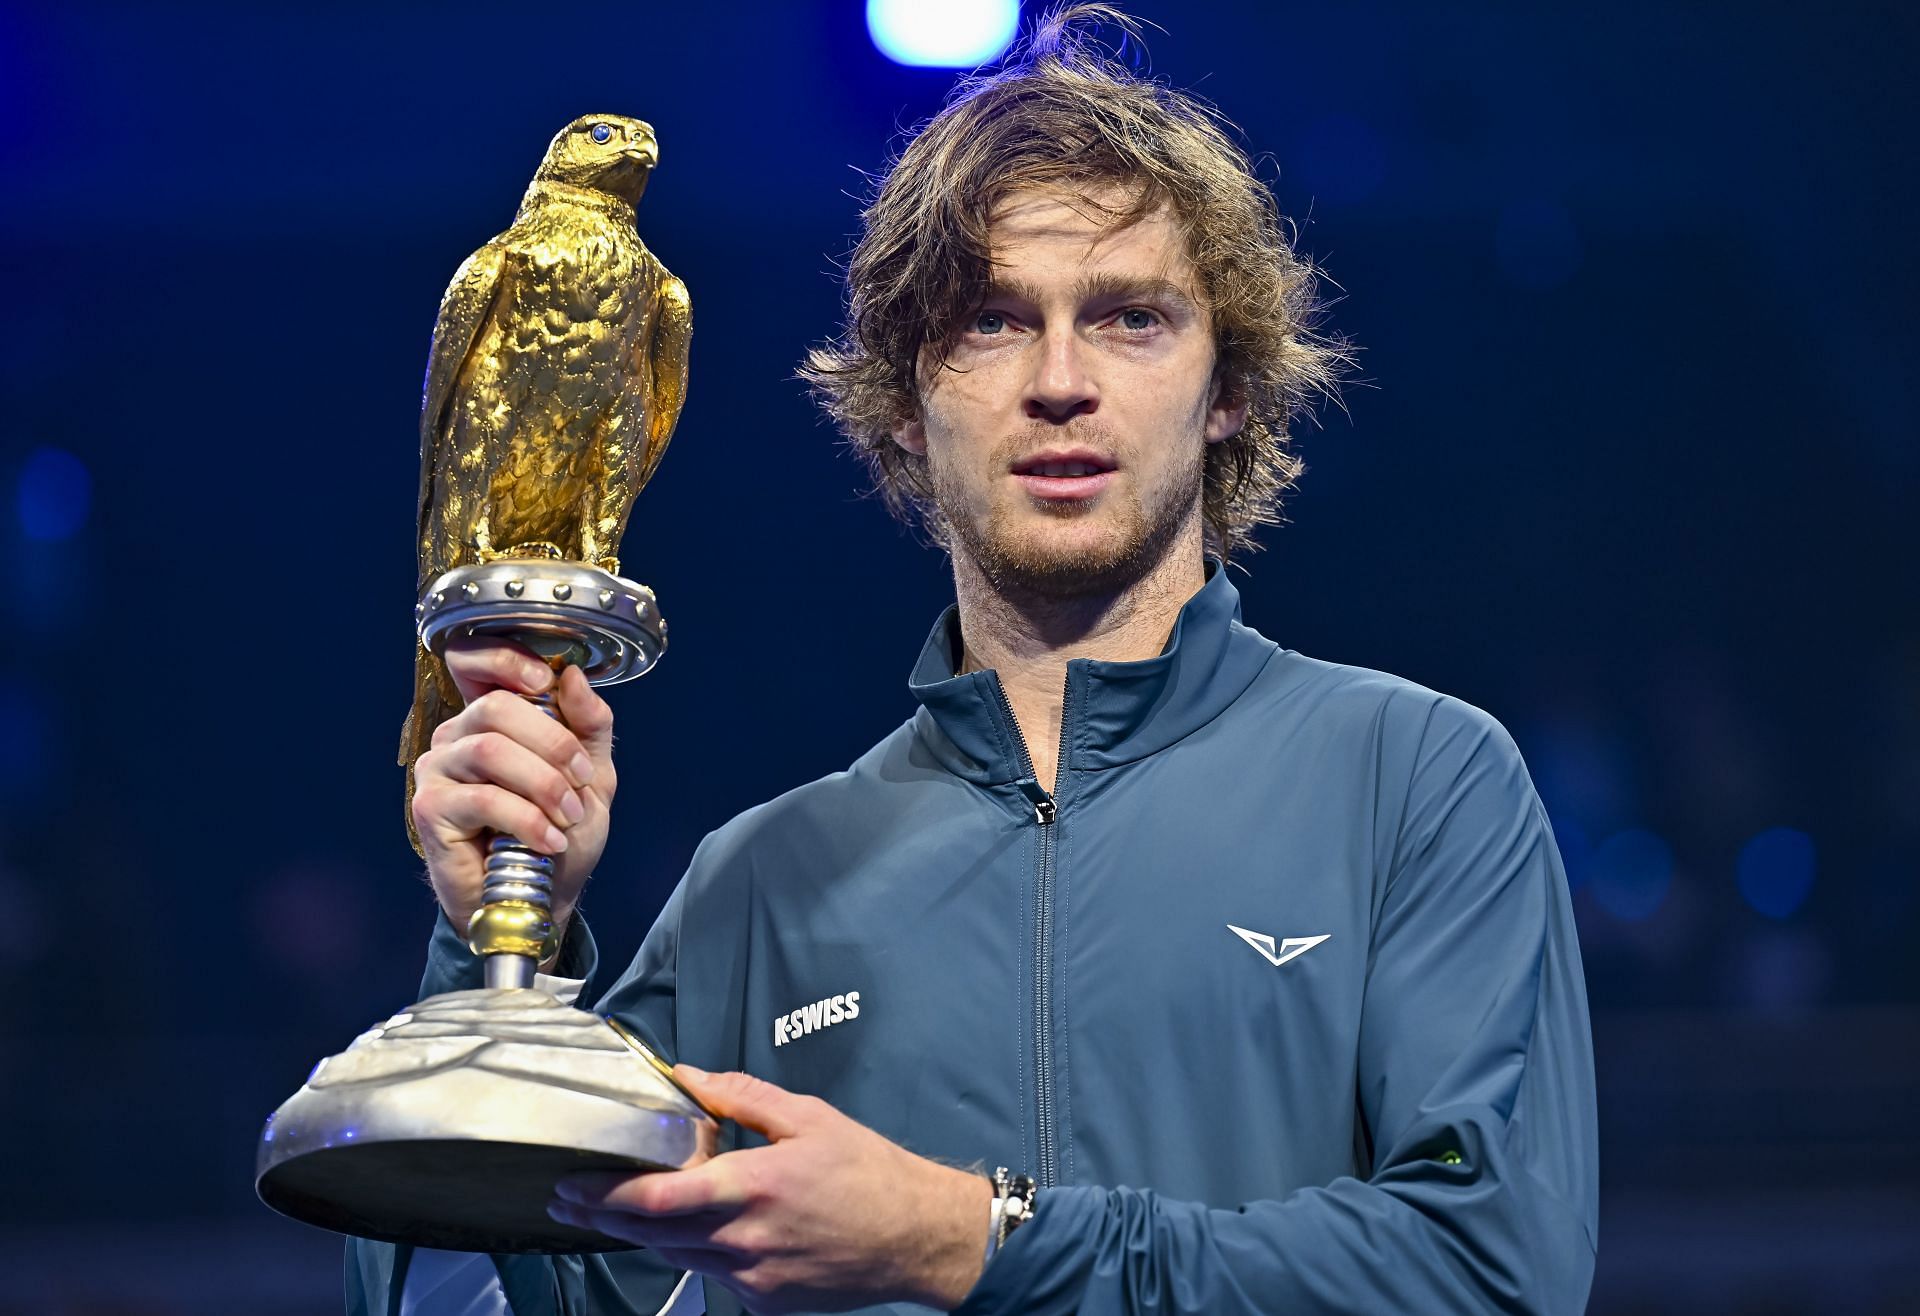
{"points": [[558, 371]]}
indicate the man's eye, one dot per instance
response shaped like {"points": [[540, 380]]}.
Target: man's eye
{"points": [[989, 322], [1137, 317]]}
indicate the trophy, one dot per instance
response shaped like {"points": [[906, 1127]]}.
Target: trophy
{"points": [[557, 374]]}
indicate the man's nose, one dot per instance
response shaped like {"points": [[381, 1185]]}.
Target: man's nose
{"points": [[1061, 386]]}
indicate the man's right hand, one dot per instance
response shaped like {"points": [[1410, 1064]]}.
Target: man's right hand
{"points": [[503, 765]]}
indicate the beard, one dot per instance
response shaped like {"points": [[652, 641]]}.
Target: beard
{"points": [[1139, 526]]}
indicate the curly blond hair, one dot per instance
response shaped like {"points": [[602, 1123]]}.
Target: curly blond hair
{"points": [[1063, 114]]}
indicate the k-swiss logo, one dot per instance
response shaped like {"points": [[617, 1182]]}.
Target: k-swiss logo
{"points": [[821, 1014], [1290, 949]]}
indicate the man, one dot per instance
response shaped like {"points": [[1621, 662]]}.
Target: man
{"points": [[1263, 968]]}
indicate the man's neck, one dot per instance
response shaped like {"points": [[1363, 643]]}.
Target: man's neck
{"points": [[1028, 638]]}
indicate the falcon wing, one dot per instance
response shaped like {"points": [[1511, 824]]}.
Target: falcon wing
{"points": [[667, 355], [464, 310]]}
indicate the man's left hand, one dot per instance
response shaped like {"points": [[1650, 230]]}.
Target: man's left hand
{"points": [[831, 1216]]}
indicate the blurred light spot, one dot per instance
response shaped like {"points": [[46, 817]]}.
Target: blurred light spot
{"points": [[1536, 244], [1775, 871], [1584, 776], [55, 494], [1341, 159], [1785, 969], [947, 34], [1630, 874]]}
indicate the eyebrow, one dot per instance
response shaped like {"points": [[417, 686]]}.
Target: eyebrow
{"points": [[1106, 286]]}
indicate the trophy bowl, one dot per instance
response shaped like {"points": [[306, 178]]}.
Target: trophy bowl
{"points": [[448, 1125]]}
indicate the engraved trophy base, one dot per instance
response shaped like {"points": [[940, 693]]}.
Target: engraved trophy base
{"points": [[447, 1126]]}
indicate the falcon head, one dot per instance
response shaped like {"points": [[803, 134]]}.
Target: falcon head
{"points": [[608, 152]]}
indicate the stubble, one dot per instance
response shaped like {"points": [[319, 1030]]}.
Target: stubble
{"points": [[1021, 559]]}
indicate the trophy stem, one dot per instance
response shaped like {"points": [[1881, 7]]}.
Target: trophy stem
{"points": [[513, 928], [517, 900]]}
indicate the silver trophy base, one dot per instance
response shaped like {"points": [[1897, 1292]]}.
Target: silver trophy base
{"points": [[448, 1126]]}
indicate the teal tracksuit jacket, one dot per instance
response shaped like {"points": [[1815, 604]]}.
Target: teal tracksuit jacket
{"points": [[1277, 996]]}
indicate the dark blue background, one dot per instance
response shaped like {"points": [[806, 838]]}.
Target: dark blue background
{"points": [[1632, 465]]}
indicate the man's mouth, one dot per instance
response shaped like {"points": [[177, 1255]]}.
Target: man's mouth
{"points": [[1068, 476], [1056, 463]]}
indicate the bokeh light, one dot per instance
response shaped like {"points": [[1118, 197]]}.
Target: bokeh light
{"points": [[55, 495], [1775, 871], [1630, 874], [1784, 968], [950, 34]]}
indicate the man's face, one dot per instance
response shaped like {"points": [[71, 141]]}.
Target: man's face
{"points": [[1066, 437]]}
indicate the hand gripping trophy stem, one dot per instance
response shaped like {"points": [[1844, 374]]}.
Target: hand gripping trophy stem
{"points": [[571, 614], [448, 1125]]}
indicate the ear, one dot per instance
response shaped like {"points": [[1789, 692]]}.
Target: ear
{"points": [[911, 435], [1226, 414]]}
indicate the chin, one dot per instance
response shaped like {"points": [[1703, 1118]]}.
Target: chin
{"points": [[1068, 557]]}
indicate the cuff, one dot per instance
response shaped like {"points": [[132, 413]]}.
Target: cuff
{"points": [[1038, 1269]]}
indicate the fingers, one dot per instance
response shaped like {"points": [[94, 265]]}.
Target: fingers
{"points": [[722, 1184], [520, 722], [478, 664], [687, 1250], [493, 759], [448, 812], [749, 1101], [587, 714]]}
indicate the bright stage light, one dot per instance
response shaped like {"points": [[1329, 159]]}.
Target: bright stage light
{"points": [[947, 34]]}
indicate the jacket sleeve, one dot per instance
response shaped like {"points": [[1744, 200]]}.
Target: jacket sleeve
{"points": [[1475, 1086], [619, 1283]]}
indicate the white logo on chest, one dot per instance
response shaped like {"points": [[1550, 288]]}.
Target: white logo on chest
{"points": [[810, 1018], [1291, 948]]}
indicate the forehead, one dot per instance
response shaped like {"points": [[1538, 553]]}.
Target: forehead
{"points": [[1032, 231]]}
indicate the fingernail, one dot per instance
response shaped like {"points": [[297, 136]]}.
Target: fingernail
{"points": [[560, 1211], [571, 806], [539, 678], [556, 840], [565, 1192], [580, 767], [696, 1072]]}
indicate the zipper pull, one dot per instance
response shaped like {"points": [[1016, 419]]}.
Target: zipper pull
{"points": [[1044, 808]]}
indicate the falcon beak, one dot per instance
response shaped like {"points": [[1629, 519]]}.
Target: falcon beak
{"points": [[648, 155]]}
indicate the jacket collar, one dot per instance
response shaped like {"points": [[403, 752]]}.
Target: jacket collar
{"points": [[1114, 713]]}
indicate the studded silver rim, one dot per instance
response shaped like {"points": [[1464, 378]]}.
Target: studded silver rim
{"points": [[536, 601]]}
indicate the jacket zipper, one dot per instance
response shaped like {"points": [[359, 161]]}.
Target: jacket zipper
{"points": [[1045, 810]]}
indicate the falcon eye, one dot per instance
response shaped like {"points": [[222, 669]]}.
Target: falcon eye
{"points": [[602, 133]]}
